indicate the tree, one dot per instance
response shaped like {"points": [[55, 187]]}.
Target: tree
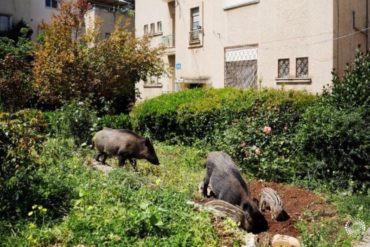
{"points": [[106, 70]]}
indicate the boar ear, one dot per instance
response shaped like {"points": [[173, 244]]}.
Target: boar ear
{"points": [[147, 141]]}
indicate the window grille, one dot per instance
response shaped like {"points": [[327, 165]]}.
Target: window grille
{"points": [[283, 68], [302, 67]]}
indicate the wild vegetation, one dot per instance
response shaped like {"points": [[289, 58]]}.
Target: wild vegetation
{"points": [[49, 196], [68, 64]]}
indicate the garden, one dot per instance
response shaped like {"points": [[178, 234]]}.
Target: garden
{"points": [[56, 93]]}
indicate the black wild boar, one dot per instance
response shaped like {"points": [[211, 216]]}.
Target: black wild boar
{"points": [[125, 144], [227, 184]]}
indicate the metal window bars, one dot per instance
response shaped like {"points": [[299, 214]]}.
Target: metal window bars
{"points": [[283, 68], [302, 67]]}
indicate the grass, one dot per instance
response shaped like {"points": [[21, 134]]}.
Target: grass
{"points": [[147, 208]]}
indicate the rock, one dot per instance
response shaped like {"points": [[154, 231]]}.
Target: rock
{"points": [[93, 164], [249, 240], [284, 241]]}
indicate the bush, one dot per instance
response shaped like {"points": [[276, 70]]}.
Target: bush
{"points": [[75, 120], [195, 114], [20, 141], [231, 120], [158, 116], [353, 89], [121, 121], [340, 141], [15, 72]]}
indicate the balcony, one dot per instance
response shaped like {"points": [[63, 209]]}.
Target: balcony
{"points": [[169, 41]]}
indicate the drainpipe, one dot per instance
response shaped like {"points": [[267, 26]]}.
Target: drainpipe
{"points": [[367, 25]]}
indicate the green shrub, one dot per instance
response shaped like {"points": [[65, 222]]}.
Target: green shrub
{"points": [[20, 141], [75, 120], [353, 89], [340, 140], [192, 115], [157, 116], [231, 120], [121, 121]]}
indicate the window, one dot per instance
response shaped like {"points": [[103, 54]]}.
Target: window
{"points": [[159, 27], [4, 23], [283, 68], [302, 67], [145, 29], [152, 28], [195, 27], [51, 3]]}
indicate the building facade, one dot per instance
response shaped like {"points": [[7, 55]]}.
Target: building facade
{"points": [[252, 43], [35, 12]]}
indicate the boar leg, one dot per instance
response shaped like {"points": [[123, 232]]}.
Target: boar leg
{"points": [[101, 154], [209, 170], [133, 164], [104, 158], [121, 160]]}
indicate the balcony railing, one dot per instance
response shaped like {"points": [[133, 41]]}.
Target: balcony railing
{"points": [[195, 36], [169, 41]]}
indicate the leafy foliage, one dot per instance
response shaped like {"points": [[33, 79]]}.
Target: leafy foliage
{"points": [[335, 132], [145, 208], [121, 121], [20, 140], [15, 72], [353, 89], [231, 120], [75, 120], [81, 66]]}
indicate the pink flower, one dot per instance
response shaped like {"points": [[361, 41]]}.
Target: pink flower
{"points": [[267, 130], [258, 151]]}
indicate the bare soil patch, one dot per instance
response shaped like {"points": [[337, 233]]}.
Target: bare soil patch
{"points": [[296, 200]]}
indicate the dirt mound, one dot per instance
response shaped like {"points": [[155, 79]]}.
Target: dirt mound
{"points": [[296, 201]]}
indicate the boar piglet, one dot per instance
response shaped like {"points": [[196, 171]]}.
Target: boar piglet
{"points": [[227, 184], [125, 144]]}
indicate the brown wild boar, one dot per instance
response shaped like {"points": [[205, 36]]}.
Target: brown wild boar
{"points": [[227, 184], [125, 144]]}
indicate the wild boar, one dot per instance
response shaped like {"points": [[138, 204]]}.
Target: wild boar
{"points": [[227, 184], [125, 144], [271, 200], [234, 212]]}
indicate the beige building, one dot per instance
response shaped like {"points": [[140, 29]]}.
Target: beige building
{"points": [[252, 43], [34, 12]]}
